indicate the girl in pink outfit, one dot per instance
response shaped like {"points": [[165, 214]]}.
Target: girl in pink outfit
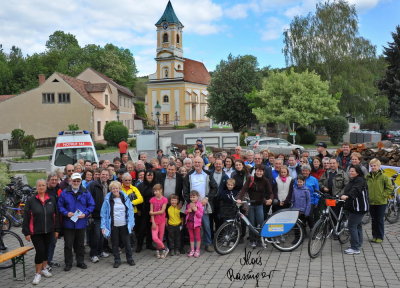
{"points": [[158, 204], [194, 213]]}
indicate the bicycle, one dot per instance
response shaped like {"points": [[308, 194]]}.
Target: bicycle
{"points": [[5, 221], [8, 242], [16, 216], [283, 229], [392, 208], [326, 227]]}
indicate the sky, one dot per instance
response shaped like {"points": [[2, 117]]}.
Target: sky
{"points": [[213, 28]]}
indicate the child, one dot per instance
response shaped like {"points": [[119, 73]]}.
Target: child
{"points": [[301, 198], [174, 225], [227, 208], [194, 213], [158, 204]]}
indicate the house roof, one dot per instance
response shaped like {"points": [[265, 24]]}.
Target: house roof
{"points": [[169, 16], [113, 106], [80, 87], [195, 72], [95, 87], [6, 97], [120, 88]]}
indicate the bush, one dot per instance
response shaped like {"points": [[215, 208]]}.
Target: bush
{"points": [[73, 127], [28, 145], [336, 127], [308, 137], [132, 143], [17, 135], [191, 125], [114, 132], [100, 146], [290, 138]]}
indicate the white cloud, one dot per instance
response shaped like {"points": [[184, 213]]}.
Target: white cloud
{"points": [[273, 29]]}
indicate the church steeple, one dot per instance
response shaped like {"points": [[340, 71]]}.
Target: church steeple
{"points": [[169, 16]]}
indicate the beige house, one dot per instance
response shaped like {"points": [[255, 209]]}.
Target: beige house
{"points": [[61, 100]]}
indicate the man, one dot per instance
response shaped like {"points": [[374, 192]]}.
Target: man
{"points": [[188, 164], [172, 182], [201, 181], [198, 153], [334, 180], [164, 164], [199, 145], [220, 178], [277, 168], [123, 147], [124, 159], [105, 164], [140, 166], [117, 163], [224, 154], [322, 150], [211, 161], [267, 170], [52, 189], [95, 165], [294, 167], [344, 157], [68, 171], [325, 163], [88, 165], [238, 154], [183, 154], [160, 154], [143, 157], [265, 156], [306, 154], [75, 204], [98, 189], [111, 170], [249, 159], [96, 174]]}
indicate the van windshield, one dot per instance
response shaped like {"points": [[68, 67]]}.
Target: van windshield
{"points": [[71, 155]]}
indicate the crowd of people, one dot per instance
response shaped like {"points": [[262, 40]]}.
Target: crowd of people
{"points": [[163, 203]]}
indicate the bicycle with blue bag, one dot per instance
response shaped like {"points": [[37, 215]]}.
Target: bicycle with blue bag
{"points": [[283, 230]]}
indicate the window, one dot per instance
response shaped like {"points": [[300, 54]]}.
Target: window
{"points": [[106, 99], [165, 72], [177, 38], [48, 98], [63, 98], [165, 99], [165, 37], [98, 128]]}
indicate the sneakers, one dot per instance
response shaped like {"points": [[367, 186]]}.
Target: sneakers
{"points": [[94, 259], [209, 248], [164, 253], [116, 264], [377, 240], [54, 264], [46, 273], [191, 253], [158, 256], [196, 254], [48, 268], [351, 251], [36, 279], [104, 255]]}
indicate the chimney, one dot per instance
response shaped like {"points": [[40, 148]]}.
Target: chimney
{"points": [[42, 78]]}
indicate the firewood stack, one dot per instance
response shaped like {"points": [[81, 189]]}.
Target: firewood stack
{"points": [[384, 151]]}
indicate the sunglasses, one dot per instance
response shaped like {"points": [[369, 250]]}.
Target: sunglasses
{"points": [[76, 180], [70, 170]]}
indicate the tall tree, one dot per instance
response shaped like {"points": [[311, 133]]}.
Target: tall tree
{"points": [[289, 97], [390, 84], [231, 81]]}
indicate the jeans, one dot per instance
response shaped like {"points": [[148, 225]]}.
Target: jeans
{"points": [[205, 223], [96, 238], [256, 217], [74, 238], [120, 234], [174, 237], [355, 229], [52, 247], [377, 213]]}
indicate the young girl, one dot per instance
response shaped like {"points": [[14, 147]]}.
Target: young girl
{"points": [[283, 188], [158, 204], [301, 198], [194, 213]]}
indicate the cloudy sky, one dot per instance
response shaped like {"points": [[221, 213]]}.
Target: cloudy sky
{"points": [[213, 28]]}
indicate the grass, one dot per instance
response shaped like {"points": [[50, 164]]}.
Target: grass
{"points": [[32, 176], [108, 150], [39, 158], [312, 146]]}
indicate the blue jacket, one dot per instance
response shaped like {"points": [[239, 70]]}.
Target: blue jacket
{"points": [[301, 199], [107, 214], [70, 202], [313, 185]]}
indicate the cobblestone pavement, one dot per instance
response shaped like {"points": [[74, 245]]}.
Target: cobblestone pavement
{"points": [[377, 266]]}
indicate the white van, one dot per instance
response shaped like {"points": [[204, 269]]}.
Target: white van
{"points": [[71, 146]]}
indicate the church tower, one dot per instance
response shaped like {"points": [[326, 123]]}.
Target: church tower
{"points": [[179, 85]]}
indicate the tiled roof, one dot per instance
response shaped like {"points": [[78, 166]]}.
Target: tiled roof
{"points": [[80, 87], [195, 72], [113, 106], [169, 16], [120, 88], [95, 87], [6, 97]]}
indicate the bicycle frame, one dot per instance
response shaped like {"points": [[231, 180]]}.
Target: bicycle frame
{"points": [[331, 215]]}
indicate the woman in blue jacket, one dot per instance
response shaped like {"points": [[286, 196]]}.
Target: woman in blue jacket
{"points": [[117, 221]]}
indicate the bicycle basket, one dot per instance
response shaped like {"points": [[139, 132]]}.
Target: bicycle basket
{"points": [[330, 202]]}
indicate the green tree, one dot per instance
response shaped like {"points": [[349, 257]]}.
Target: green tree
{"points": [[140, 109], [336, 127], [17, 135], [73, 127], [231, 81], [28, 145], [290, 97], [390, 84], [114, 132]]}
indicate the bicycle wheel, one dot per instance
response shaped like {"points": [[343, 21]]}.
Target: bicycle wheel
{"points": [[226, 238], [392, 212], [318, 236], [366, 218], [17, 218], [344, 233], [5, 222], [9, 241], [290, 240]]}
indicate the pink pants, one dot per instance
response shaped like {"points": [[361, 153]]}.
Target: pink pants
{"points": [[158, 235], [194, 234]]}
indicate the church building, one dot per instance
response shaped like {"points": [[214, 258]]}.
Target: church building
{"points": [[178, 89]]}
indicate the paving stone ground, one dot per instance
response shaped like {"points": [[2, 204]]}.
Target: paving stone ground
{"points": [[377, 266]]}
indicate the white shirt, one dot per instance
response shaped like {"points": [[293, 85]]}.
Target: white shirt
{"points": [[119, 213], [199, 181]]}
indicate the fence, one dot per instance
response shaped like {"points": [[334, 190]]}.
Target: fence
{"points": [[40, 143]]}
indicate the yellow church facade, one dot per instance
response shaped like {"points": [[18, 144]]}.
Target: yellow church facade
{"points": [[179, 85]]}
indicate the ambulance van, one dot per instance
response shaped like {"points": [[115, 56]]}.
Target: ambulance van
{"points": [[71, 146]]}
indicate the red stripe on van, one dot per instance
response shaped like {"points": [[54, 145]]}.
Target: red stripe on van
{"points": [[72, 144]]}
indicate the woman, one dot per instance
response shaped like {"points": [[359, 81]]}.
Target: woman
{"points": [[356, 196], [130, 167], [240, 174], [379, 189], [312, 184], [40, 222], [259, 190], [117, 221], [317, 170], [283, 189], [140, 178], [78, 168], [179, 163], [229, 166], [87, 177], [144, 231], [355, 159]]}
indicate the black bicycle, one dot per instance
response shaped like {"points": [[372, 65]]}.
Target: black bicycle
{"points": [[8, 242]]}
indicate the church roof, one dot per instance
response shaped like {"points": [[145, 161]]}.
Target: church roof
{"points": [[195, 72], [169, 16]]}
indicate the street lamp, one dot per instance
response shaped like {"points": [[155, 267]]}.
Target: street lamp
{"points": [[157, 108], [118, 115]]}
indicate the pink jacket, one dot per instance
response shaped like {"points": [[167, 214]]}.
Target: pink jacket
{"points": [[198, 214]]}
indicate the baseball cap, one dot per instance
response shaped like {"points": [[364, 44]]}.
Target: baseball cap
{"points": [[322, 144], [199, 139], [76, 176]]}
